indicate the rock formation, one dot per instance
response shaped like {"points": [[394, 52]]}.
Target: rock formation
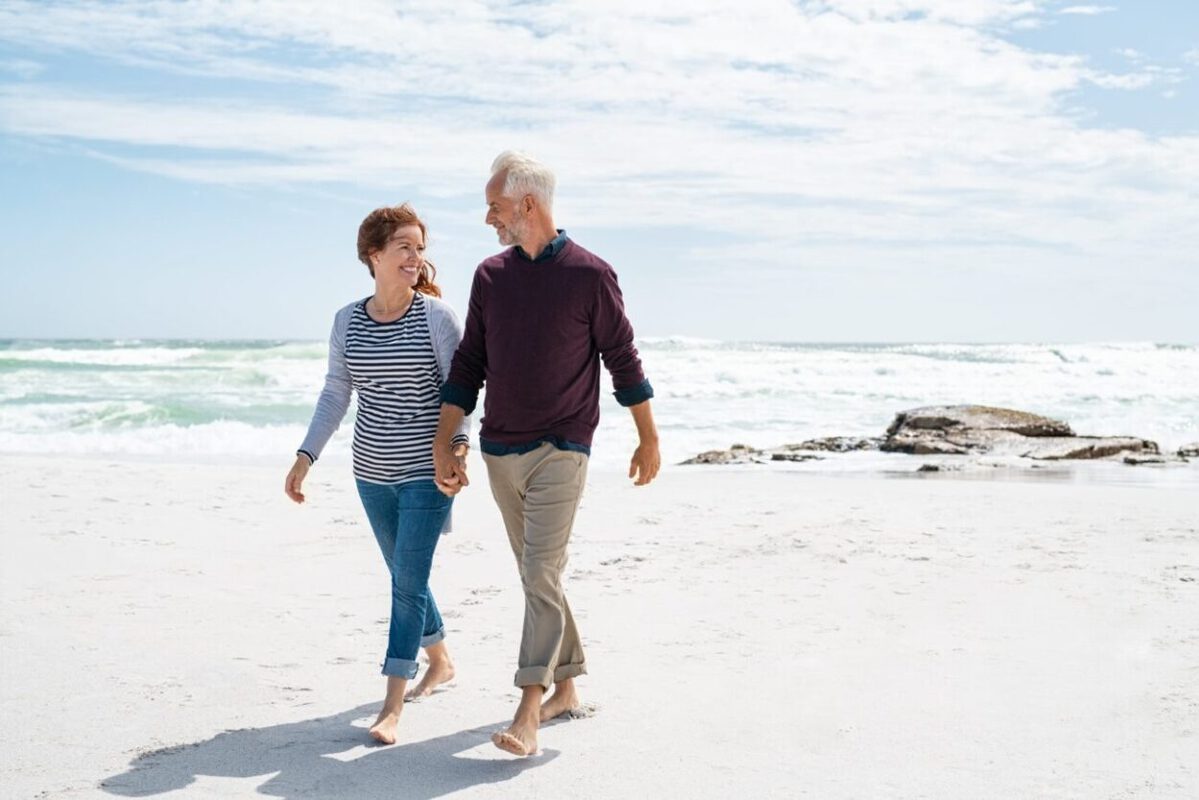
{"points": [[961, 430], [964, 430]]}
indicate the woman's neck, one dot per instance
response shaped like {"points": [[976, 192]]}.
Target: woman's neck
{"points": [[390, 299]]}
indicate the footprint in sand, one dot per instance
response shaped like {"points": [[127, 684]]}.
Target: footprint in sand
{"points": [[582, 711], [481, 594], [626, 561]]}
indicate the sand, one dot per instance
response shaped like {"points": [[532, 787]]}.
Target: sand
{"points": [[182, 630]]}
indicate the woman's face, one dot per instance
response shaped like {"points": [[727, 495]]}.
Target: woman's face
{"points": [[401, 258]]}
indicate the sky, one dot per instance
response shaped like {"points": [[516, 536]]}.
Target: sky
{"points": [[814, 170]]}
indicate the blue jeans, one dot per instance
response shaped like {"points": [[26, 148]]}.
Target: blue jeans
{"points": [[407, 520]]}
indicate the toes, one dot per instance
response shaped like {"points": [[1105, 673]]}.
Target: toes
{"points": [[511, 744]]}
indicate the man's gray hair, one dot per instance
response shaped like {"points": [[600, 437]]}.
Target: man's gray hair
{"points": [[525, 175]]}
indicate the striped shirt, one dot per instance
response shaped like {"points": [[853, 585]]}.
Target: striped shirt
{"points": [[394, 371]]}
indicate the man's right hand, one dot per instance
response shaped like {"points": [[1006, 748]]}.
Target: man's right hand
{"points": [[450, 467]]}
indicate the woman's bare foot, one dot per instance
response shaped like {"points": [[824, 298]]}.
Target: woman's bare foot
{"points": [[440, 670], [564, 700], [384, 729]]}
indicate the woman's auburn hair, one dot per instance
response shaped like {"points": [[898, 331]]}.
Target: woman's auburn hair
{"points": [[379, 226]]}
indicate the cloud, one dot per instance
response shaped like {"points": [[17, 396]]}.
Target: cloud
{"points": [[1191, 56], [22, 68], [1087, 10], [1146, 75], [825, 131]]}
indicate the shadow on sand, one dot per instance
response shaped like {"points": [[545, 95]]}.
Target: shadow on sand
{"points": [[302, 755]]}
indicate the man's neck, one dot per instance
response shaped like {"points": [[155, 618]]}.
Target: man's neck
{"points": [[537, 240]]}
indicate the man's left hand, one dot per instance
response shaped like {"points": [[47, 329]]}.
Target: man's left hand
{"points": [[645, 463]]}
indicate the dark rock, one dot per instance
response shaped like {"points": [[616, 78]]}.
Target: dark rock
{"points": [[961, 430], [836, 444], [1057, 449], [1189, 450], [795, 457], [737, 454], [1137, 460], [933, 447], [946, 418], [929, 468]]}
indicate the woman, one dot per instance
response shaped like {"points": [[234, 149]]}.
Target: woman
{"points": [[394, 349]]}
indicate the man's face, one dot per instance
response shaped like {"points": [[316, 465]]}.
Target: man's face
{"points": [[503, 213]]}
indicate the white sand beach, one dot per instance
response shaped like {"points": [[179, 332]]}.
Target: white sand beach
{"points": [[182, 630]]}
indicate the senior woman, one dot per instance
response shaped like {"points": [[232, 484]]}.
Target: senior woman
{"points": [[394, 349]]}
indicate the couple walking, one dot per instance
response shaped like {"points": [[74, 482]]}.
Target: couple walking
{"points": [[541, 317]]}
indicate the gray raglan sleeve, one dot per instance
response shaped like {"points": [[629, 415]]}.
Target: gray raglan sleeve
{"points": [[447, 333], [334, 401]]}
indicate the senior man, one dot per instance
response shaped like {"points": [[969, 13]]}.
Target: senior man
{"points": [[542, 316]]}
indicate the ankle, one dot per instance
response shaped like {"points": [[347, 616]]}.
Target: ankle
{"points": [[527, 718]]}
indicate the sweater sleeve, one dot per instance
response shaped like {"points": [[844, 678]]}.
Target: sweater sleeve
{"points": [[613, 336], [447, 333], [334, 400], [469, 365]]}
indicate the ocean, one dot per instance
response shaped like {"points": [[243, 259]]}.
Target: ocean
{"points": [[250, 400]]}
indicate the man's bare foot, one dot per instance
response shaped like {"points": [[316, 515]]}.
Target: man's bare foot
{"points": [[519, 740], [563, 701], [384, 729], [439, 672]]}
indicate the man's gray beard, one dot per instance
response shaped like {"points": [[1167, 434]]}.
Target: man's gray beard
{"points": [[514, 234]]}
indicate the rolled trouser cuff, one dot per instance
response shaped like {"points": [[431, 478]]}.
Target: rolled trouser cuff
{"points": [[433, 638], [565, 671], [399, 668], [535, 676]]}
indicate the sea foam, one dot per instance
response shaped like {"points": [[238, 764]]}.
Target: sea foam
{"points": [[254, 399]]}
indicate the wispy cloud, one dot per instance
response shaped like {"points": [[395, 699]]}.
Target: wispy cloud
{"points": [[895, 128], [1087, 10], [22, 68], [1147, 75]]}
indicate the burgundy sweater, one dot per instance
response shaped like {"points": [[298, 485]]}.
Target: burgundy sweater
{"points": [[536, 331]]}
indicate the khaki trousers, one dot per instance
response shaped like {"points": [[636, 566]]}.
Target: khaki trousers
{"points": [[538, 493]]}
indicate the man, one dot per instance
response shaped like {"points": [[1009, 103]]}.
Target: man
{"points": [[542, 315]]}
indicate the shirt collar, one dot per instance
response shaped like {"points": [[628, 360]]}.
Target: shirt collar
{"points": [[552, 249]]}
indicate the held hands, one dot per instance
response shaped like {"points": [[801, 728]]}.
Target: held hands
{"points": [[450, 467], [645, 463], [295, 479]]}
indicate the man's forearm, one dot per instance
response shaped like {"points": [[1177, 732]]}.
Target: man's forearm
{"points": [[643, 418], [447, 425]]}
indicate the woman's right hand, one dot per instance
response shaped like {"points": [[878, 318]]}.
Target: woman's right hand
{"points": [[295, 478]]}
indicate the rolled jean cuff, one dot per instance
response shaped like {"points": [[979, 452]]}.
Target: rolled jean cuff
{"points": [[433, 638], [400, 668]]}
